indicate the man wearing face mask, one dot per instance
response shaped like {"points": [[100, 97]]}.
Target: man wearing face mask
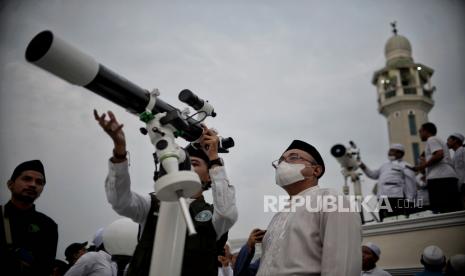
{"points": [[212, 221], [396, 182], [306, 241]]}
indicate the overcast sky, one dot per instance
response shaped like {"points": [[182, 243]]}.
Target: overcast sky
{"points": [[274, 70]]}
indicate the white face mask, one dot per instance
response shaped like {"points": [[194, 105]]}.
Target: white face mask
{"points": [[391, 157], [287, 173]]}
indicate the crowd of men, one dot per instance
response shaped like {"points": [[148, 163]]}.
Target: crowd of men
{"points": [[437, 183], [301, 242]]}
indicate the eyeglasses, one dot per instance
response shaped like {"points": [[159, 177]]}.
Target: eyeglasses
{"points": [[291, 158]]}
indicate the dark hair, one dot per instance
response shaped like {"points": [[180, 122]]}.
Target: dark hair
{"points": [[61, 266], [430, 127]]}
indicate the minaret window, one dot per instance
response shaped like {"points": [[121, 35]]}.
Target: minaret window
{"points": [[389, 86], [416, 153], [390, 94], [412, 123]]}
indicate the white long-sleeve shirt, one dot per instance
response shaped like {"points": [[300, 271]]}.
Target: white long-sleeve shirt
{"points": [[394, 179], [94, 264], [136, 207], [313, 242]]}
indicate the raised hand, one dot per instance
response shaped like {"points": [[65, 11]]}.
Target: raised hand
{"points": [[113, 129], [209, 142]]}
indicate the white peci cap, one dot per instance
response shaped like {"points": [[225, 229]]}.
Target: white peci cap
{"points": [[399, 147], [433, 255], [458, 136], [374, 248]]}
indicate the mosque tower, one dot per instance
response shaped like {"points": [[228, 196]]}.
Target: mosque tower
{"points": [[404, 95]]}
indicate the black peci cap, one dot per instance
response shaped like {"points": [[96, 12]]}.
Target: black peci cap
{"points": [[301, 145], [33, 165]]}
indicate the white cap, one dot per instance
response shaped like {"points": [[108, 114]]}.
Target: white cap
{"points": [[374, 248], [458, 262], [458, 136], [433, 255], [98, 237], [399, 147], [235, 251]]}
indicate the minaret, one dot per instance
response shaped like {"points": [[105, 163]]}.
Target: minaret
{"points": [[404, 95]]}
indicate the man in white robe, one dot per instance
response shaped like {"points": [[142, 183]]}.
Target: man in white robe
{"points": [[309, 242], [396, 182]]}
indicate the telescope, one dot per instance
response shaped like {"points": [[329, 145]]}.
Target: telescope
{"points": [[164, 123], [347, 157], [62, 59]]}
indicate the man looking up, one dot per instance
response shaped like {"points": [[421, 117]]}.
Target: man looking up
{"points": [[395, 182], [309, 242]]}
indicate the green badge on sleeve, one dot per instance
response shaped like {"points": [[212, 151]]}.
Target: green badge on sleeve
{"points": [[203, 216]]}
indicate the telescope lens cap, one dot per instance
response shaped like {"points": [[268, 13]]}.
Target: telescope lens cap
{"points": [[39, 46], [338, 150]]}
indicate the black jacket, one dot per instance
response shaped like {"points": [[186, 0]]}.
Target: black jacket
{"points": [[200, 251], [35, 238]]}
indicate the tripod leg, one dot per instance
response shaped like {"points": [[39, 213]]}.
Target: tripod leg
{"points": [[168, 248]]}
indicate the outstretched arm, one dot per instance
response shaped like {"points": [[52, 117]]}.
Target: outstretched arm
{"points": [[373, 174], [118, 183]]}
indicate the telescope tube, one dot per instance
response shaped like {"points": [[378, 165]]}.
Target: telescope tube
{"points": [[62, 59]]}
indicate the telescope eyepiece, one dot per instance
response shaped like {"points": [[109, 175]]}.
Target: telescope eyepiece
{"points": [[188, 97], [39, 46], [227, 142]]}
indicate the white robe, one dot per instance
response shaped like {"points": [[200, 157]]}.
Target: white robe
{"points": [[93, 264], [312, 243], [395, 179]]}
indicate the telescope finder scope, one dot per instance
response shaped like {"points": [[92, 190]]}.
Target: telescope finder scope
{"points": [[188, 97]]}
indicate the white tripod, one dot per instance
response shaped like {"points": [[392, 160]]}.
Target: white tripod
{"points": [[172, 189]]}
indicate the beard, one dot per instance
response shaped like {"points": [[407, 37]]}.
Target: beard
{"points": [[25, 198]]}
